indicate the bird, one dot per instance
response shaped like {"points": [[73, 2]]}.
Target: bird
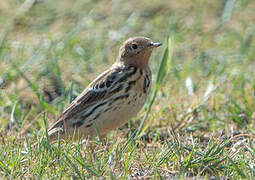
{"points": [[113, 98]]}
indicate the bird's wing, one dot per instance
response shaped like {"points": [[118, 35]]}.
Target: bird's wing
{"points": [[97, 91]]}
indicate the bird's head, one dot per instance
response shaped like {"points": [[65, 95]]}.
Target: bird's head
{"points": [[137, 51]]}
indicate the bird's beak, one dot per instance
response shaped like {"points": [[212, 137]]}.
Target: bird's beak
{"points": [[157, 44]]}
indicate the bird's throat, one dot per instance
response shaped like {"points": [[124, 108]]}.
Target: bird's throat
{"points": [[140, 60]]}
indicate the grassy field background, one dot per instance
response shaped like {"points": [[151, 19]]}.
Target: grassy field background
{"points": [[201, 123]]}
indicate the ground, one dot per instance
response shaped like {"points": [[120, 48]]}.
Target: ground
{"points": [[198, 121]]}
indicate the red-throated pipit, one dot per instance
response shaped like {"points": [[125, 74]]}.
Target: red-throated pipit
{"points": [[113, 97]]}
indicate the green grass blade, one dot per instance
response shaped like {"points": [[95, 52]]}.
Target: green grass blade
{"points": [[89, 170], [74, 167], [227, 12], [240, 172], [163, 70]]}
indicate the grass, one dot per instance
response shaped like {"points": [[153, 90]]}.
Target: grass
{"points": [[198, 121]]}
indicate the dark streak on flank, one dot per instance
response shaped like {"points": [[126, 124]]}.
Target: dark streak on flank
{"points": [[146, 83], [108, 108], [130, 84], [115, 108], [89, 125], [133, 72], [141, 72], [78, 124], [127, 75], [119, 88], [83, 117], [121, 97], [97, 116]]}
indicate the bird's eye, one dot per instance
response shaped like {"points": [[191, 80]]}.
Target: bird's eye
{"points": [[134, 46]]}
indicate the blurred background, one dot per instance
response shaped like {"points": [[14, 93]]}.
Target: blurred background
{"points": [[51, 50]]}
